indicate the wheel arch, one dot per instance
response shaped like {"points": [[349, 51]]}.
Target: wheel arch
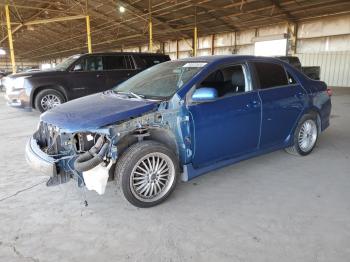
{"points": [[160, 135], [40, 88], [163, 136], [316, 112], [312, 111]]}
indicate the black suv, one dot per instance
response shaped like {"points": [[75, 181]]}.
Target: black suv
{"points": [[77, 76]]}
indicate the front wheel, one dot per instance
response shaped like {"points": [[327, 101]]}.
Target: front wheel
{"points": [[48, 99], [305, 136], [147, 172]]}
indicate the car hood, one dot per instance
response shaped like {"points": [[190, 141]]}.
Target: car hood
{"points": [[95, 111], [37, 73]]}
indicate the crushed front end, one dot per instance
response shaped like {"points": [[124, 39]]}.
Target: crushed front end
{"points": [[63, 155]]}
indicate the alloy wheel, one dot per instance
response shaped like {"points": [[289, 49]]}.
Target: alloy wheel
{"points": [[152, 177], [307, 135], [50, 101]]}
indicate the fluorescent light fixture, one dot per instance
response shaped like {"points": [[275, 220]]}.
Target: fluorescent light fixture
{"points": [[2, 51], [121, 9]]}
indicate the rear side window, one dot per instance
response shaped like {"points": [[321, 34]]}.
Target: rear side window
{"points": [[151, 60], [270, 75], [129, 62], [114, 62]]}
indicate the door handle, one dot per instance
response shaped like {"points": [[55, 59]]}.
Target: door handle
{"points": [[253, 104], [99, 75], [299, 95]]}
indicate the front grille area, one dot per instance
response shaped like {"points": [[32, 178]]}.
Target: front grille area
{"points": [[48, 138]]}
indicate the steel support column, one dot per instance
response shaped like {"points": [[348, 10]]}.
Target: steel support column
{"points": [[88, 34], [195, 40], [293, 38], [9, 33], [150, 30], [150, 27], [177, 49]]}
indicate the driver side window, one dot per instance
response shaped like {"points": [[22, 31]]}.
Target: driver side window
{"points": [[227, 81]]}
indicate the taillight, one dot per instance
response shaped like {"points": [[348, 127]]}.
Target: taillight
{"points": [[329, 92]]}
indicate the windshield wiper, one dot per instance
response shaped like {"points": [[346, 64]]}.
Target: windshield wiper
{"points": [[136, 95], [131, 93]]}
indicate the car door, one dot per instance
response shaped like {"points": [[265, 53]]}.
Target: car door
{"points": [[230, 125], [283, 100], [118, 68], [87, 76]]}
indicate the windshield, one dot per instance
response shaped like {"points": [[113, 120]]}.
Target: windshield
{"points": [[66, 63], [161, 81]]}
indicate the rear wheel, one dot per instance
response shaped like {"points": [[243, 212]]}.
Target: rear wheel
{"points": [[147, 172], [305, 136], [48, 99]]}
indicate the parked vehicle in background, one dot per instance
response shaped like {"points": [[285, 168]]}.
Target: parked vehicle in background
{"points": [[28, 69], [3, 74], [311, 71], [33, 70], [191, 115], [77, 76], [314, 72]]}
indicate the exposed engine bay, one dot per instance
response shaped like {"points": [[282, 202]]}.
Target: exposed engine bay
{"points": [[73, 153]]}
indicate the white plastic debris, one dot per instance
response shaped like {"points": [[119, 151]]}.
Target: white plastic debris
{"points": [[96, 178], [89, 137]]}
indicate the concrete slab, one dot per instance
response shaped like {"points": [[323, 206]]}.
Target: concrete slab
{"points": [[276, 207]]}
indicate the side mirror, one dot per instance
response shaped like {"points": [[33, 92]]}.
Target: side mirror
{"points": [[77, 67], [204, 94]]}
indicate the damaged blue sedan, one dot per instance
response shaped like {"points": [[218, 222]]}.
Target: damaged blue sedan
{"points": [[180, 119]]}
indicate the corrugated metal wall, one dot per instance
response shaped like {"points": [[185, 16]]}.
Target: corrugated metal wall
{"points": [[335, 66]]}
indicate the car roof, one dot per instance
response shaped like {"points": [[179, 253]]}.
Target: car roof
{"points": [[233, 58], [124, 53]]}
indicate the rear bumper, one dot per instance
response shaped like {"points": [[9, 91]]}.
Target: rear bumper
{"points": [[326, 115], [38, 160]]}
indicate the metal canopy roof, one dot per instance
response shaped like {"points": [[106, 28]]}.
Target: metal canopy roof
{"points": [[45, 29]]}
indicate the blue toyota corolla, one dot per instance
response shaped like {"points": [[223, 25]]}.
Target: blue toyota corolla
{"points": [[186, 117]]}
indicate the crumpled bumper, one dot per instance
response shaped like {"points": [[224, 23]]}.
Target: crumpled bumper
{"points": [[38, 160]]}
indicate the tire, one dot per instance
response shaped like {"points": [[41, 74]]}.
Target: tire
{"points": [[140, 187], [56, 99], [304, 140]]}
